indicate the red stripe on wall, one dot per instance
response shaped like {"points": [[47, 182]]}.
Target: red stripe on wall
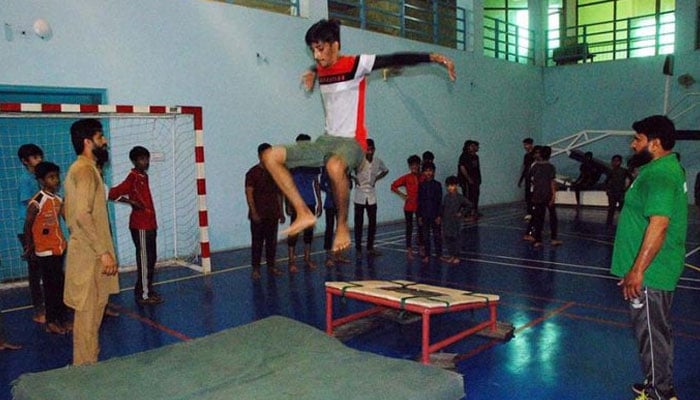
{"points": [[206, 252], [196, 113], [89, 108], [7, 107], [199, 154], [125, 109], [201, 186], [50, 108], [203, 218]]}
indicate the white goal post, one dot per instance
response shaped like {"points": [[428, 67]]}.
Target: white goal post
{"points": [[172, 134]]}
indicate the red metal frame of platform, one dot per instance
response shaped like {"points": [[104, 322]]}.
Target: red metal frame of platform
{"points": [[425, 312]]}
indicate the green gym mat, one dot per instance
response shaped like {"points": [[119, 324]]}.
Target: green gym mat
{"points": [[273, 358]]}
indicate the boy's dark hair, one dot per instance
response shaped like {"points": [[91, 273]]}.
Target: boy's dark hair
{"points": [[657, 127], [428, 156], [262, 147], [528, 141], [138, 152], [303, 137], [545, 152], [323, 31], [414, 159], [27, 150], [81, 130], [428, 165], [43, 168], [617, 157], [370, 143], [451, 180]]}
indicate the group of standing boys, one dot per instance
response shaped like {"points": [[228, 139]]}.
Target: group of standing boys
{"points": [[437, 218], [90, 260]]}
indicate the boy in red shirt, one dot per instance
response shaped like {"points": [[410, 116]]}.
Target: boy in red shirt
{"points": [[45, 244], [142, 223], [410, 182]]}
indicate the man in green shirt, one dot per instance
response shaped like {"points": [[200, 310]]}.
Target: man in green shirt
{"points": [[649, 251]]}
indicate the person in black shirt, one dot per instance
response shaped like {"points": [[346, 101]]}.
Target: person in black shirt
{"points": [[544, 191], [528, 159]]}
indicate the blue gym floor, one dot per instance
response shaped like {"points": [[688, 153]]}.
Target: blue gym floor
{"points": [[572, 335]]}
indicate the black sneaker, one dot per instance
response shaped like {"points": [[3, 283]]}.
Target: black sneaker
{"points": [[638, 388], [150, 301]]}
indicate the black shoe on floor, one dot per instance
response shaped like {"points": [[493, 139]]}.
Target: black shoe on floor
{"points": [[152, 300]]}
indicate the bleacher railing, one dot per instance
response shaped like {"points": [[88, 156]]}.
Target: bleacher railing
{"points": [[508, 41], [624, 38], [428, 21], [288, 7]]}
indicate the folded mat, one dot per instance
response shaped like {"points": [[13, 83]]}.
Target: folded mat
{"points": [[273, 358]]}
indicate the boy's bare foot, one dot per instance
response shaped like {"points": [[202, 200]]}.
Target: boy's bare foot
{"points": [[341, 259], [111, 313], [39, 318], [255, 275], [447, 259], [293, 269], [274, 271], [342, 239], [329, 262], [9, 346], [426, 260], [53, 327], [409, 253], [302, 222], [310, 263]]}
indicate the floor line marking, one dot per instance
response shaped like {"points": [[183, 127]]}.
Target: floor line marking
{"points": [[546, 316], [493, 342], [150, 322]]}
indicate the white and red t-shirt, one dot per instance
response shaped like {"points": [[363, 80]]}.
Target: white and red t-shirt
{"points": [[343, 86]]}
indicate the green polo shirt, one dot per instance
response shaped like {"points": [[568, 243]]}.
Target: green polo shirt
{"points": [[659, 190]]}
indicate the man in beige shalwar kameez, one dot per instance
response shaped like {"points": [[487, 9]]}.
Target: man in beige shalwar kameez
{"points": [[91, 267]]}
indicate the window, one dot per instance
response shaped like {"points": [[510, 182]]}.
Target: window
{"points": [[441, 22], [289, 7], [506, 33], [615, 29]]}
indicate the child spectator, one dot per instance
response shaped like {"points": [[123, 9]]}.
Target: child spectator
{"points": [[454, 206], [30, 155], [265, 213], [428, 212], [306, 181], [135, 190], [544, 189], [410, 196], [428, 156], [45, 244], [365, 199]]}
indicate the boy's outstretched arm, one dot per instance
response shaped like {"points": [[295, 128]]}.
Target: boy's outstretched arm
{"points": [[407, 59]]}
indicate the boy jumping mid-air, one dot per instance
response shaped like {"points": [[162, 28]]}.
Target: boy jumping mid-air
{"points": [[342, 83]]}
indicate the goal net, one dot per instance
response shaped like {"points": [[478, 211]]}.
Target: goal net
{"points": [[173, 135]]}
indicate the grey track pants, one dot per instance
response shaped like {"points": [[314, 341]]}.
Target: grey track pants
{"points": [[651, 322]]}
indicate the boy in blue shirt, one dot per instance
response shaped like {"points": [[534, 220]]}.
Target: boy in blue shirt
{"points": [[30, 155]]}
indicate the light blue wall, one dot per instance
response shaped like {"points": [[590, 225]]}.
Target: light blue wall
{"points": [[612, 95], [196, 52], [205, 53]]}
